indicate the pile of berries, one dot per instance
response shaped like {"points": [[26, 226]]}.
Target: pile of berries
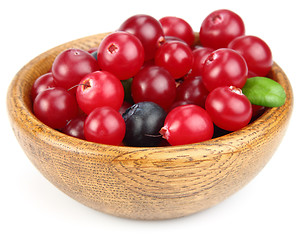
{"points": [[148, 81]]}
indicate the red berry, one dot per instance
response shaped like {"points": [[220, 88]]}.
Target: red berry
{"points": [[256, 53], [75, 127], [71, 65], [172, 38], [229, 108], [257, 111], [148, 30], [176, 57], [178, 103], [177, 27], [99, 89], [42, 83], [93, 49], [55, 107], [124, 107], [104, 125], [200, 54], [154, 84], [220, 27], [187, 124], [224, 67], [192, 90], [122, 54]]}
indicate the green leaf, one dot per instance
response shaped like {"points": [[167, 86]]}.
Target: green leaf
{"points": [[264, 92], [127, 90]]}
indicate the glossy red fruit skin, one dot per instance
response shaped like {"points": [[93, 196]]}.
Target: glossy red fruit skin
{"points": [[200, 54], [42, 83], [224, 67], [178, 27], [98, 89], [178, 103], [172, 38], [93, 49], [257, 111], [148, 30], [75, 127], [229, 108], [220, 27], [55, 107], [121, 53], [192, 90], [176, 57], [255, 51], [104, 125], [154, 84], [187, 124], [71, 65], [124, 107]]}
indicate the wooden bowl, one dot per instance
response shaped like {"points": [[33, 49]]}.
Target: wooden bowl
{"points": [[139, 182]]}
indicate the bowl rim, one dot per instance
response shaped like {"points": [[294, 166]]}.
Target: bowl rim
{"points": [[16, 99]]}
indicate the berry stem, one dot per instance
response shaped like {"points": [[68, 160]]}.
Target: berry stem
{"points": [[86, 85], [152, 135]]}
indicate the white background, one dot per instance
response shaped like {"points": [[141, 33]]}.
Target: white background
{"points": [[32, 208]]}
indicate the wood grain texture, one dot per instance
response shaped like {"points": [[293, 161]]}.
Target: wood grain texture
{"points": [[143, 183]]}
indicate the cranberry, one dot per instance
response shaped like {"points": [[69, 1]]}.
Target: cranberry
{"points": [[172, 38], [176, 57], [178, 103], [71, 65], [177, 27], [224, 67], [42, 83], [55, 107], [91, 50], [75, 127], [104, 125], [124, 107], [256, 53], [187, 124], [154, 84], [200, 54], [148, 30], [220, 27], [99, 89], [193, 91], [122, 54], [229, 108], [257, 111]]}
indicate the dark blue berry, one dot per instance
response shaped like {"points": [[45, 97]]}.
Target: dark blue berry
{"points": [[143, 122]]}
